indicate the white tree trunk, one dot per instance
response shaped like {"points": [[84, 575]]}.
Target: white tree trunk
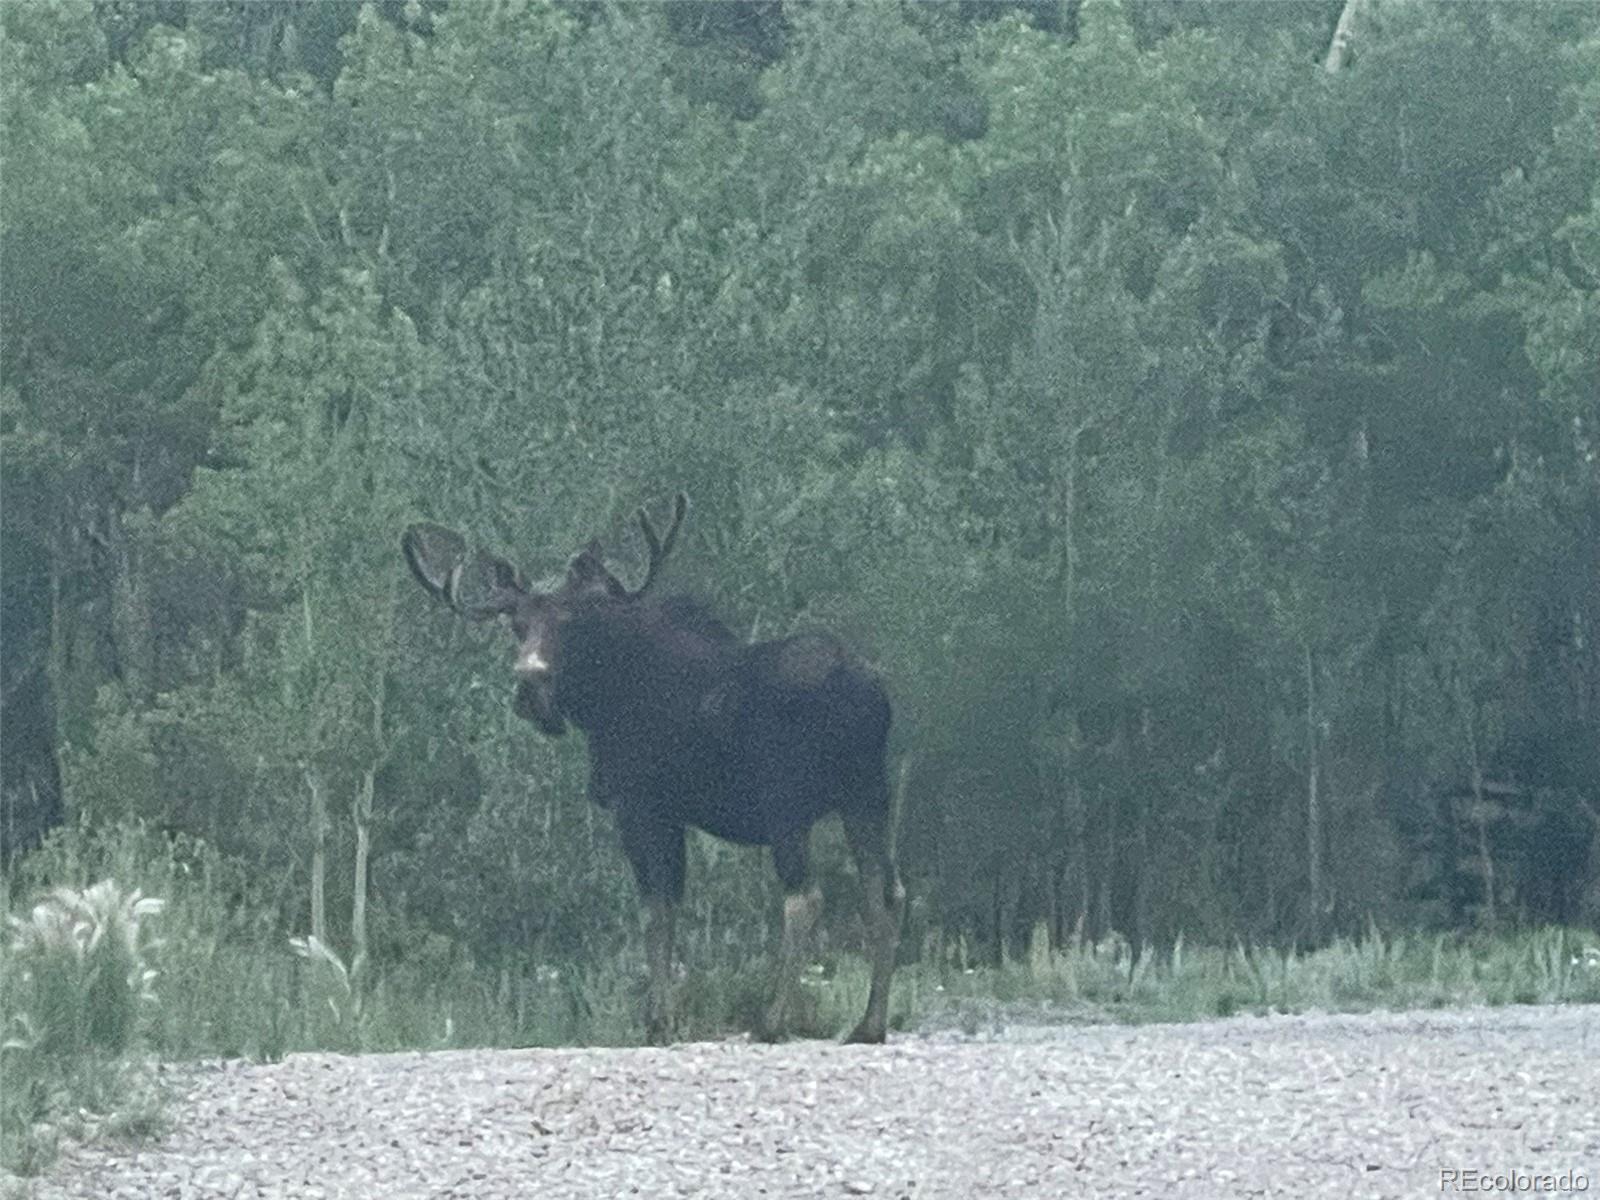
{"points": [[1343, 35], [361, 810], [319, 856]]}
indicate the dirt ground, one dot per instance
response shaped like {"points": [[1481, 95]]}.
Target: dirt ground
{"points": [[1308, 1106]]}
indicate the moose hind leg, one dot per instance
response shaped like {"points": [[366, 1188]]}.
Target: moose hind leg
{"points": [[883, 906], [802, 901]]}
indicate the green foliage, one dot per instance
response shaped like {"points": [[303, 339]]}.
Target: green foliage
{"points": [[1202, 444]]}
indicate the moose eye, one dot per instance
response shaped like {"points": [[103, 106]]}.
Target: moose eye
{"points": [[534, 618], [523, 621]]}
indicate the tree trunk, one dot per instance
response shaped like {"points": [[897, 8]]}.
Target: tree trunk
{"points": [[319, 855], [1313, 807], [132, 628], [1071, 823], [996, 931], [1067, 566], [1485, 859], [1081, 854], [1480, 812], [56, 665], [897, 803], [1343, 35], [361, 811], [56, 674], [1071, 883], [1140, 933], [1108, 870]]}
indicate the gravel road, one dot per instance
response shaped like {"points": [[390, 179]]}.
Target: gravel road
{"points": [[1372, 1105]]}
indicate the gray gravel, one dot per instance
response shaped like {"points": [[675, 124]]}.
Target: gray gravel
{"points": [[1372, 1105]]}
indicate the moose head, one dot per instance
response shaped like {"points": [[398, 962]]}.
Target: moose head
{"points": [[483, 587]]}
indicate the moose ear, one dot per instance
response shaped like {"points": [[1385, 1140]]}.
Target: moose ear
{"points": [[436, 556]]}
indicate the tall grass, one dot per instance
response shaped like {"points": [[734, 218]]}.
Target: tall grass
{"points": [[89, 993], [75, 980]]}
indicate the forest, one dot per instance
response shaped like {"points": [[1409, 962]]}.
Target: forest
{"points": [[1191, 410]]}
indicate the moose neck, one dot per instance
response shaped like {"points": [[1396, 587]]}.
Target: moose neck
{"points": [[627, 666]]}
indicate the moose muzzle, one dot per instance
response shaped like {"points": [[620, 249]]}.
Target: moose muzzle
{"points": [[531, 665]]}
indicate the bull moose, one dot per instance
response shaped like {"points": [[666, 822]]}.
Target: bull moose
{"points": [[689, 725]]}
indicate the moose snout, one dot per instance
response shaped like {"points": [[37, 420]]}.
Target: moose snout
{"points": [[531, 664]]}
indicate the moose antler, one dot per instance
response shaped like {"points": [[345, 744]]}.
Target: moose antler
{"points": [[479, 588], [660, 547], [435, 555]]}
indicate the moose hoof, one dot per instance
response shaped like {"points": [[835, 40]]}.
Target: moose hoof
{"points": [[657, 1032], [771, 1028], [867, 1033]]}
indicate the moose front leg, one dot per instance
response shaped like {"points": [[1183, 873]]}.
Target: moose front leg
{"points": [[659, 911], [656, 851]]}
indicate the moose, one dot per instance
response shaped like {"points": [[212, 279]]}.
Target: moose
{"points": [[687, 724]]}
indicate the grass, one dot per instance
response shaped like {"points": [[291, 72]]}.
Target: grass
{"points": [[1105, 982], [98, 981]]}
